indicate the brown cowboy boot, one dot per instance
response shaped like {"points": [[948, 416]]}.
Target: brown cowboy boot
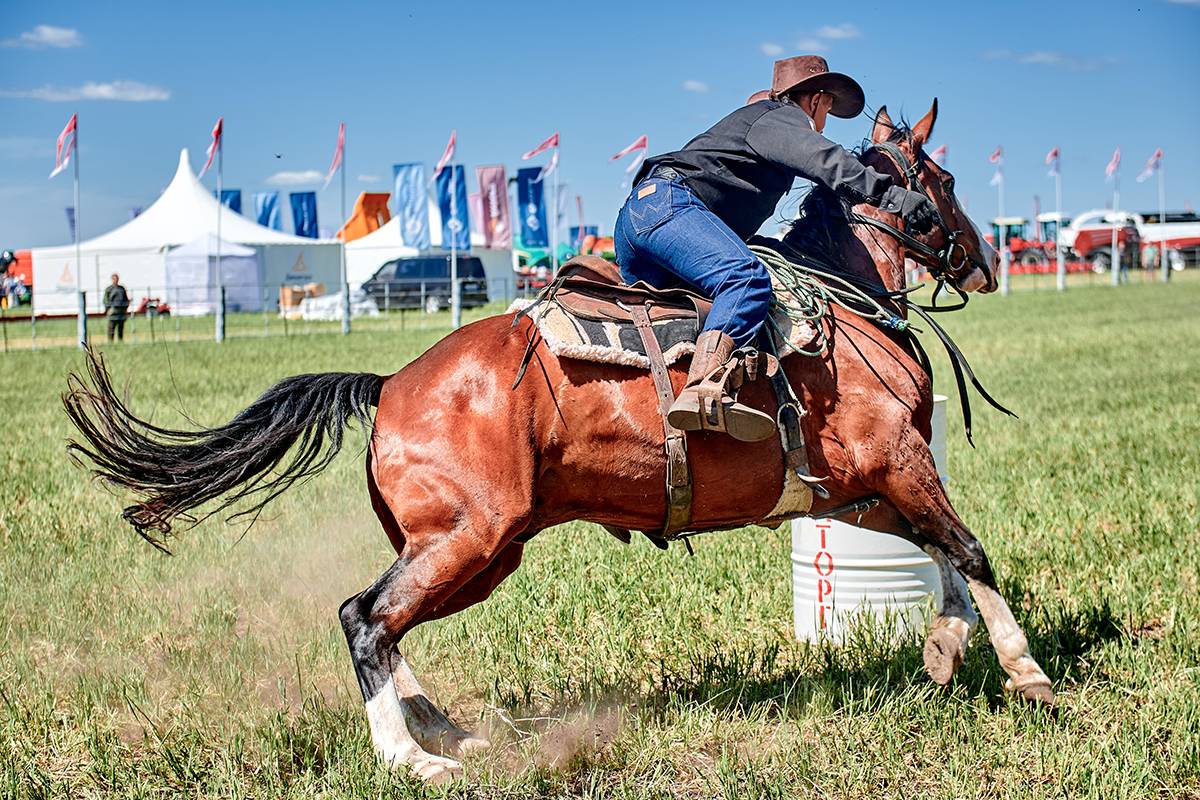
{"points": [[708, 402]]}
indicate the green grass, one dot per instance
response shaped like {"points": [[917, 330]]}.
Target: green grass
{"points": [[604, 670]]}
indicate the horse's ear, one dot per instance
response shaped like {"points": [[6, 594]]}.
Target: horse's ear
{"points": [[924, 129], [883, 126]]}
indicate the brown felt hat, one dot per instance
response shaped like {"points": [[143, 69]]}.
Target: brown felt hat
{"points": [[811, 74]]}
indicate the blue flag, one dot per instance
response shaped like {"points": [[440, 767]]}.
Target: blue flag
{"points": [[531, 208], [304, 214], [456, 222], [577, 235], [412, 205], [266, 210], [232, 199]]}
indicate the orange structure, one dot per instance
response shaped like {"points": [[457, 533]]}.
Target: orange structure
{"points": [[370, 214]]}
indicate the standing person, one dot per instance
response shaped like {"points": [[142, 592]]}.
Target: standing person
{"points": [[690, 213], [116, 307]]}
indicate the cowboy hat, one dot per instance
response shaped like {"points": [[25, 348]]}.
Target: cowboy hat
{"points": [[811, 74]]}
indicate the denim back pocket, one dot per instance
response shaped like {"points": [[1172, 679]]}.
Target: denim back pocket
{"points": [[650, 205]]}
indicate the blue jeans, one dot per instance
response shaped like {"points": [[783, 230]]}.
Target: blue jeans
{"points": [[667, 237]]}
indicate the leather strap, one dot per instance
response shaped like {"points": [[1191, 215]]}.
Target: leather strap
{"points": [[679, 473]]}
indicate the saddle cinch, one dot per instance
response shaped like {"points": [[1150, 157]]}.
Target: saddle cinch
{"points": [[586, 313]]}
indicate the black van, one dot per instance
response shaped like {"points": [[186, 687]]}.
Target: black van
{"points": [[424, 282]]}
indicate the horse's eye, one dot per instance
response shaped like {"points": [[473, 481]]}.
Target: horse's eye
{"points": [[948, 183]]}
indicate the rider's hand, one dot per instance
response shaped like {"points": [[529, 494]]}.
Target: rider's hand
{"points": [[918, 212]]}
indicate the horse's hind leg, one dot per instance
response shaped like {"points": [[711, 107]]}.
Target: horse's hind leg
{"points": [[908, 478], [427, 723], [431, 570]]}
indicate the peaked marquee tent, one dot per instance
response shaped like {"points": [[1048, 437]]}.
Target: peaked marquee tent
{"points": [[185, 212], [192, 277]]}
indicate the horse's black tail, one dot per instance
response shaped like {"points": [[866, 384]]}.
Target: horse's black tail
{"points": [[173, 472]]}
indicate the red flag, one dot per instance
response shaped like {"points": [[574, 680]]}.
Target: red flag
{"points": [[446, 156], [543, 147], [497, 225], [337, 153], [997, 156], [1052, 161], [640, 143], [66, 144], [551, 165], [214, 147], [1114, 164], [1152, 165], [938, 156]]}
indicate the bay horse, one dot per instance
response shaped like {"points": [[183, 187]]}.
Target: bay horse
{"points": [[463, 469]]}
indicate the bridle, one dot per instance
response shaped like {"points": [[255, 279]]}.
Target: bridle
{"points": [[952, 261]]}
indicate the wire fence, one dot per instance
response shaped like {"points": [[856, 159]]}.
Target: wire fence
{"points": [[189, 313]]}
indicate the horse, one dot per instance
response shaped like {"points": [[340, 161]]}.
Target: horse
{"points": [[464, 468]]}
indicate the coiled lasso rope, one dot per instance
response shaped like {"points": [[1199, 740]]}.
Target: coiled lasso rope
{"points": [[806, 290]]}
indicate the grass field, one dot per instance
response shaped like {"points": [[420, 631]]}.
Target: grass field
{"points": [[604, 670]]}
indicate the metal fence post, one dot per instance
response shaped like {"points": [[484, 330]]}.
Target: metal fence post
{"points": [[4, 325], [81, 322], [220, 335]]}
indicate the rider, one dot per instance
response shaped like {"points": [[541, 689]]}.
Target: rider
{"points": [[690, 213]]}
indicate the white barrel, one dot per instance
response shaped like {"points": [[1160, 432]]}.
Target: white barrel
{"points": [[842, 574]]}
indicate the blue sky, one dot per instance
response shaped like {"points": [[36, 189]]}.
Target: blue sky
{"points": [[1081, 75]]}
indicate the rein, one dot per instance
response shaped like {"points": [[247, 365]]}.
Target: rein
{"points": [[940, 263]]}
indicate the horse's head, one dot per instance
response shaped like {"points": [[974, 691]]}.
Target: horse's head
{"points": [[954, 249]]}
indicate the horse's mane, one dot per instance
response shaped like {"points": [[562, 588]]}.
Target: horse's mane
{"points": [[821, 211]]}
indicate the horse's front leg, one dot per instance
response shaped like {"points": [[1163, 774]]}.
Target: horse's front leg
{"points": [[946, 644], [906, 476]]}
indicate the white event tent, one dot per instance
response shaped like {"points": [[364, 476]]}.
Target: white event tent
{"points": [[192, 277], [366, 255], [138, 251]]}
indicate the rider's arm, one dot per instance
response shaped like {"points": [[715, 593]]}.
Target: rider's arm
{"points": [[785, 136]]}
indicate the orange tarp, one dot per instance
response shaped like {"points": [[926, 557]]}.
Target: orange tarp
{"points": [[370, 214]]}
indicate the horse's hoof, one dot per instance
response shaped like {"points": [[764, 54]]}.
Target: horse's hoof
{"points": [[943, 655], [1037, 691], [436, 769]]}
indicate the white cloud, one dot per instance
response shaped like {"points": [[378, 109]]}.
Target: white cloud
{"points": [[1185, 2], [125, 91], [1052, 58], [810, 44], [369, 179], [695, 86], [844, 31], [46, 36], [771, 49], [295, 178]]}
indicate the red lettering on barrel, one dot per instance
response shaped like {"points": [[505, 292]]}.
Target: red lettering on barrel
{"points": [[827, 557]]}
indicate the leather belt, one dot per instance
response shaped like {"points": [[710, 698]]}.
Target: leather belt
{"points": [[666, 173]]}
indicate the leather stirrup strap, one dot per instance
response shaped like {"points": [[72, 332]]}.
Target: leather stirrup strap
{"points": [[679, 473]]}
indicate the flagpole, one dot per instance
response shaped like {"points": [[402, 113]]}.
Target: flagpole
{"points": [[1061, 271], [1116, 256], [1162, 220], [1001, 229], [455, 296], [554, 226], [345, 281], [219, 333], [82, 326]]}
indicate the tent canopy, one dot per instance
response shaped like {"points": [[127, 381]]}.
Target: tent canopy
{"points": [[206, 245]]}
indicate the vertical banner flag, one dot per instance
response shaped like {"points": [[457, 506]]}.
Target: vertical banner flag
{"points": [[232, 199], [997, 158], [1151, 166], [456, 225], [495, 221], [338, 153], [447, 154], [938, 156], [304, 214], [71, 221], [214, 147], [475, 203], [552, 141], [412, 204], [66, 144], [581, 232], [531, 205], [266, 210], [1114, 165], [1052, 162]]}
